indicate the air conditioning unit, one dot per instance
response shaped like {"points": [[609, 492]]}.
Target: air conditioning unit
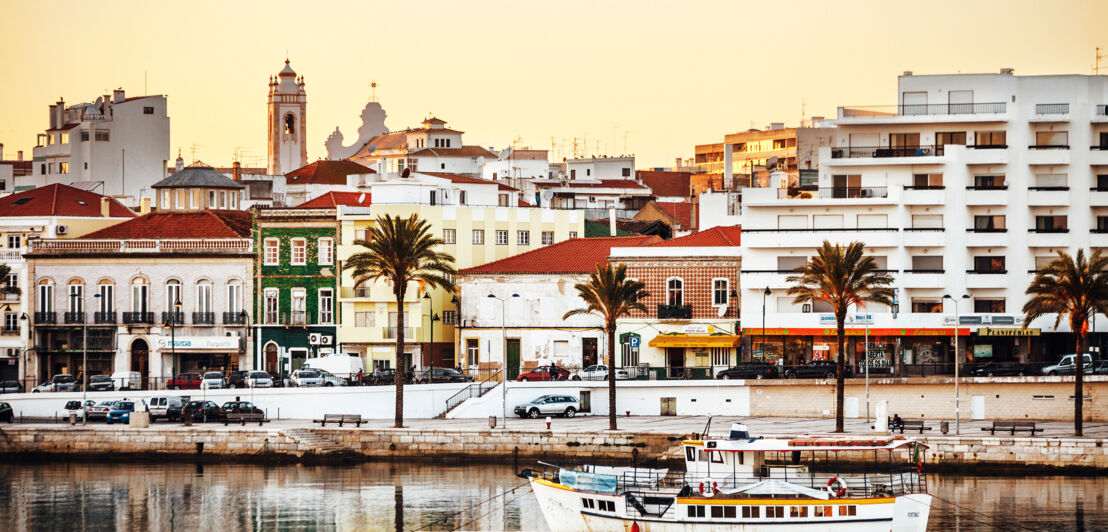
{"points": [[325, 339], [865, 192], [807, 307], [61, 230], [313, 338]]}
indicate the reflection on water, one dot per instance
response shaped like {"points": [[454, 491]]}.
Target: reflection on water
{"points": [[70, 496]]}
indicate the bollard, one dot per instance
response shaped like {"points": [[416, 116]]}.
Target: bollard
{"points": [[492, 422], [944, 426], [628, 414], [547, 422], [72, 418]]}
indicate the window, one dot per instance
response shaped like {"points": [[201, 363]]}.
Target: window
{"points": [[751, 512], [606, 506], [448, 236], [364, 319], [194, 200], [211, 199], [180, 200], [721, 356], [76, 297], [989, 182], [775, 511], [927, 181], [1051, 224], [588, 503], [990, 139], [626, 172], [1101, 224], [147, 110], [951, 137], [798, 511], [823, 511], [14, 241], [234, 297], [461, 197], [103, 136], [172, 294], [588, 172], [523, 238], [1052, 139], [11, 321], [573, 234], [298, 304], [988, 265], [988, 224], [473, 351], [478, 236], [84, 135], [325, 251], [63, 167], [720, 292], [502, 200], [361, 233], [573, 174], [271, 306], [1050, 182], [501, 237], [988, 305], [326, 305], [927, 306], [848, 510], [696, 510], [674, 291], [1102, 182], [927, 263], [140, 296], [272, 252], [222, 199], [547, 238], [233, 199], [449, 317], [299, 251], [204, 297]]}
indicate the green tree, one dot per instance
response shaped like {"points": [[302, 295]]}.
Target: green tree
{"points": [[841, 276], [610, 295], [399, 251], [1074, 287], [4, 287]]}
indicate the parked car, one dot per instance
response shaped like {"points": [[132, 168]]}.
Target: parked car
{"points": [[544, 373], [212, 380], [127, 380], [1100, 368], [184, 381], [76, 407], [444, 375], [817, 369], [6, 413], [306, 377], [277, 380], [999, 369], [61, 382], [258, 379], [330, 379], [237, 379], [204, 411], [121, 412], [100, 383], [749, 370], [164, 405], [380, 376], [10, 387], [240, 407], [550, 405], [101, 409], [1068, 364], [599, 372]]}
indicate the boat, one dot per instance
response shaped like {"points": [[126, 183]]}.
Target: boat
{"points": [[745, 483]]}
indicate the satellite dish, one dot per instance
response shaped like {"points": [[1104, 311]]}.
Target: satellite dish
{"points": [[771, 163], [407, 172], [361, 199], [547, 194], [721, 311], [372, 148]]}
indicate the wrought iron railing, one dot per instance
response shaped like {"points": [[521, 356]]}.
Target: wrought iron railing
{"points": [[203, 318], [177, 318], [854, 152], [103, 317], [476, 389], [46, 317], [1052, 108], [678, 312], [234, 318], [138, 317], [74, 317]]}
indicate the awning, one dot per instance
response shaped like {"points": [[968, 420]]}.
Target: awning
{"points": [[685, 340]]}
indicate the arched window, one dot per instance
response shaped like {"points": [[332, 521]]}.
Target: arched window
{"points": [[172, 298], [204, 296], [76, 292], [140, 295], [234, 297], [290, 124], [675, 291], [106, 290], [45, 296]]}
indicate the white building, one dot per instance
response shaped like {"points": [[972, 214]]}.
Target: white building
{"points": [[431, 148], [116, 146], [287, 127], [966, 186]]}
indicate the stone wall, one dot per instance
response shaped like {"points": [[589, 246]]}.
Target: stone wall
{"points": [[999, 452]]}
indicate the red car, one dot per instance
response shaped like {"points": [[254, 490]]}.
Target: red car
{"points": [[545, 373], [184, 381]]}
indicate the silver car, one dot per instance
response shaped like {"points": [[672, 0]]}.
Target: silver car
{"points": [[306, 377], [213, 380], [550, 405], [329, 379], [259, 379]]}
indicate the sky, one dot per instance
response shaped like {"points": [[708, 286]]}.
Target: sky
{"points": [[649, 78]]}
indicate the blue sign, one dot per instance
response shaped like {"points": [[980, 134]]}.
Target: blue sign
{"points": [[633, 341]]}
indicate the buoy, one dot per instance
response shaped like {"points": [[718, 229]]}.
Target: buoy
{"points": [[701, 488], [634, 527], [836, 492]]}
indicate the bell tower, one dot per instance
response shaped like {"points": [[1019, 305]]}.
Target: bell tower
{"points": [[287, 104]]}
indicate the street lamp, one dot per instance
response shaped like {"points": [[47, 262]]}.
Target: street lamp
{"points": [[84, 365], [957, 398], [764, 294], [173, 330], [504, 367], [432, 317], [26, 359]]}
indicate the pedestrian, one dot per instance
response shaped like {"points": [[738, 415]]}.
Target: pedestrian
{"points": [[896, 422]]}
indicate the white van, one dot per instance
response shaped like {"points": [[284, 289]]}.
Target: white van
{"points": [[167, 406], [127, 380], [338, 364]]}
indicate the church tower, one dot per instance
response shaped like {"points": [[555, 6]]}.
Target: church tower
{"points": [[288, 149]]}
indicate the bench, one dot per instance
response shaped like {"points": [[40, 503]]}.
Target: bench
{"points": [[912, 424], [1012, 426], [356, 419], [244, 418]]}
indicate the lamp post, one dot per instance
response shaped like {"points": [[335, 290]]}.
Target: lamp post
{"points": [[173, 331], [432, 318], [504, 368], [84, 365], [957, 397], [26, 359], [764, 294], [865, 317]]}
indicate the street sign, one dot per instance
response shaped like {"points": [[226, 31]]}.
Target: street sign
{"points": [[633, 341]]}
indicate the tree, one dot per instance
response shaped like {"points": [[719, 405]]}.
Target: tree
{"points": [[841, 276], [401, 251], [1074, 287], [610, 295], [5, 270]]}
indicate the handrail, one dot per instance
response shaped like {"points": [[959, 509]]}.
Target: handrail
{"points": [[476, 389]]}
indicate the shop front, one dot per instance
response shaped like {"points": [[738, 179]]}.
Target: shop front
{"points": [[202, 353], [696, 355], [901, 351]]}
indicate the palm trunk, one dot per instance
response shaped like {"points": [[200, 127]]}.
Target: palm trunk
{"points": [[401, 372], [839, 372], [612, 376], [1078, 381]]}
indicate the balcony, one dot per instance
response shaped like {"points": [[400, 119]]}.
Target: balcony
{"points": [[67, 247], [1048, 154], [986, 238], [833, 193], [9, 332], [775, 279], [675, 312], [73, 317], [924, 195], [886, 152], [203, 318], [987, 154], [355, 292], [1098, 238], [46, 317], [987, 195], [922, 278], [9, 296], [294, 318], [813, 238], [1047, 238], [987, 279], [924, 237], [177, 318], [1100, 114], [1051, 112], [1098, 155], [389, 333], [1048, 196], [234, 318], [138, 318], [107, 318], [921, 113]]}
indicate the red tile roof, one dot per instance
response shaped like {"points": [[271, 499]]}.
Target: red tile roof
{"points": [[670, 184], [464, 151], [59, 200], [720, 236], [458, 178], [332, 199], [326, 173], [183, 224], [576, 255], [679, 210]]}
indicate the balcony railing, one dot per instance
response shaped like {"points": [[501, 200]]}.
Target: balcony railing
{"points": [[104, 317], [203, 318], [74, 317], [1048, 230], [46, 317], [1052, 108], [1049, 147], [9, 332], [1102, 110], [834, 193], [9, 296], [82, 246], [924, 271], [675, 312], [234, 318], [924, 109], [987, 272], [988, 146], [987, 230], [879, 152], [177, 318], [294, 317], [349, 292], [390, 332], [138, 317]]}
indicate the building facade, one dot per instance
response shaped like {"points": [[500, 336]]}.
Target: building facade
{"points": [[287, 130]]}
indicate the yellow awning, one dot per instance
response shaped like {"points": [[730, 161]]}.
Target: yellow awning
{"points": [[684, 340]]}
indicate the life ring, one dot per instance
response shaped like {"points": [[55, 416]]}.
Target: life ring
{"points": [[919, 467], [715, 488], [702, 488], [836, 492]]}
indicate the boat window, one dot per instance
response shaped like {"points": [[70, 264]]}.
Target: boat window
{"points": [[717, 511], [751, 511], [848, 509], [798, 511], [690, 454], [607, 506], [587, 503], [703, 456], [696, 511], [716, 457], [823, 511], [775, 512], [729, 511]]}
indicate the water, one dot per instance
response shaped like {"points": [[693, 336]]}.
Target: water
{"points": [[79, 496]]}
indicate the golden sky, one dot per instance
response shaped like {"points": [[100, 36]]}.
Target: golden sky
{"points": [[662, 76]]}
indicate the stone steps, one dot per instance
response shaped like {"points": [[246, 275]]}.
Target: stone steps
{"points": [[311, 441]]}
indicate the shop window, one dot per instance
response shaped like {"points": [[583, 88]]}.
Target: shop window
{"points": [[986, 306], [927, 306]]}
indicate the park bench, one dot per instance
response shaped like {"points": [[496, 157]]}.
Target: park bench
{"points": [[356, 419], [913, 425], [1012, 426], [244, 418]]}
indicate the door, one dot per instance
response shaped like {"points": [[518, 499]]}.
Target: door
{"points": [[977, 407], [913, 103], [960, 102], [586, 401], [140, 360], [513, 358], [669, 406], [271, 359], [588, 352], [850, 409], [675, 359]]}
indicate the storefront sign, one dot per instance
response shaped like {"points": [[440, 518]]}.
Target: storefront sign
{"points": [[982, 351], [827, 318], [199, 342], [809, 331], [861, 318], [988, 331], [698, 328]]}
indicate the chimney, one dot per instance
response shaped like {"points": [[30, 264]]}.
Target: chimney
{"points": [[118, 95], [612, 220], [144, 206], [53, 116], [907, 73], [105, 206], [19, 155], [1009, 71], [180, 165], [236, 171], [1, 151]]}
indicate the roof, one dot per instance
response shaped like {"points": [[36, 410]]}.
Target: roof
{"points": [[66, 127], [59, 200], [671, 184], [180, 224], [603, 183], [388, 141], [326, 173], [333, 199], [464, 151], [287, 71], [198, 176], [464, 179], [719, 236], [678, 210], [576, 255]]}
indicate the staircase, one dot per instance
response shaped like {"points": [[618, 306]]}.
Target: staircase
{"points": [[477, 389], [311, 441]]}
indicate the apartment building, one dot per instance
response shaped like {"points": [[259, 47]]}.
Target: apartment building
{"points": [[966, 186], [745, 158]]}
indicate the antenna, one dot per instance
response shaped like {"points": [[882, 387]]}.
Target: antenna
{"points": [[373, 91], [1096, 65]]}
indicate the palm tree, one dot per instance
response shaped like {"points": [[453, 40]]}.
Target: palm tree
{"points": [[1075, 287], [841, 276], [610, 295], [4, 287], [400, 251]]}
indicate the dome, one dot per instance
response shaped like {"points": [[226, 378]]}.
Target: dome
{"points": [[287, 71]]}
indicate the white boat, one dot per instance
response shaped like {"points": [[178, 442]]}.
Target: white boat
{"points": [[747, 484]]}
